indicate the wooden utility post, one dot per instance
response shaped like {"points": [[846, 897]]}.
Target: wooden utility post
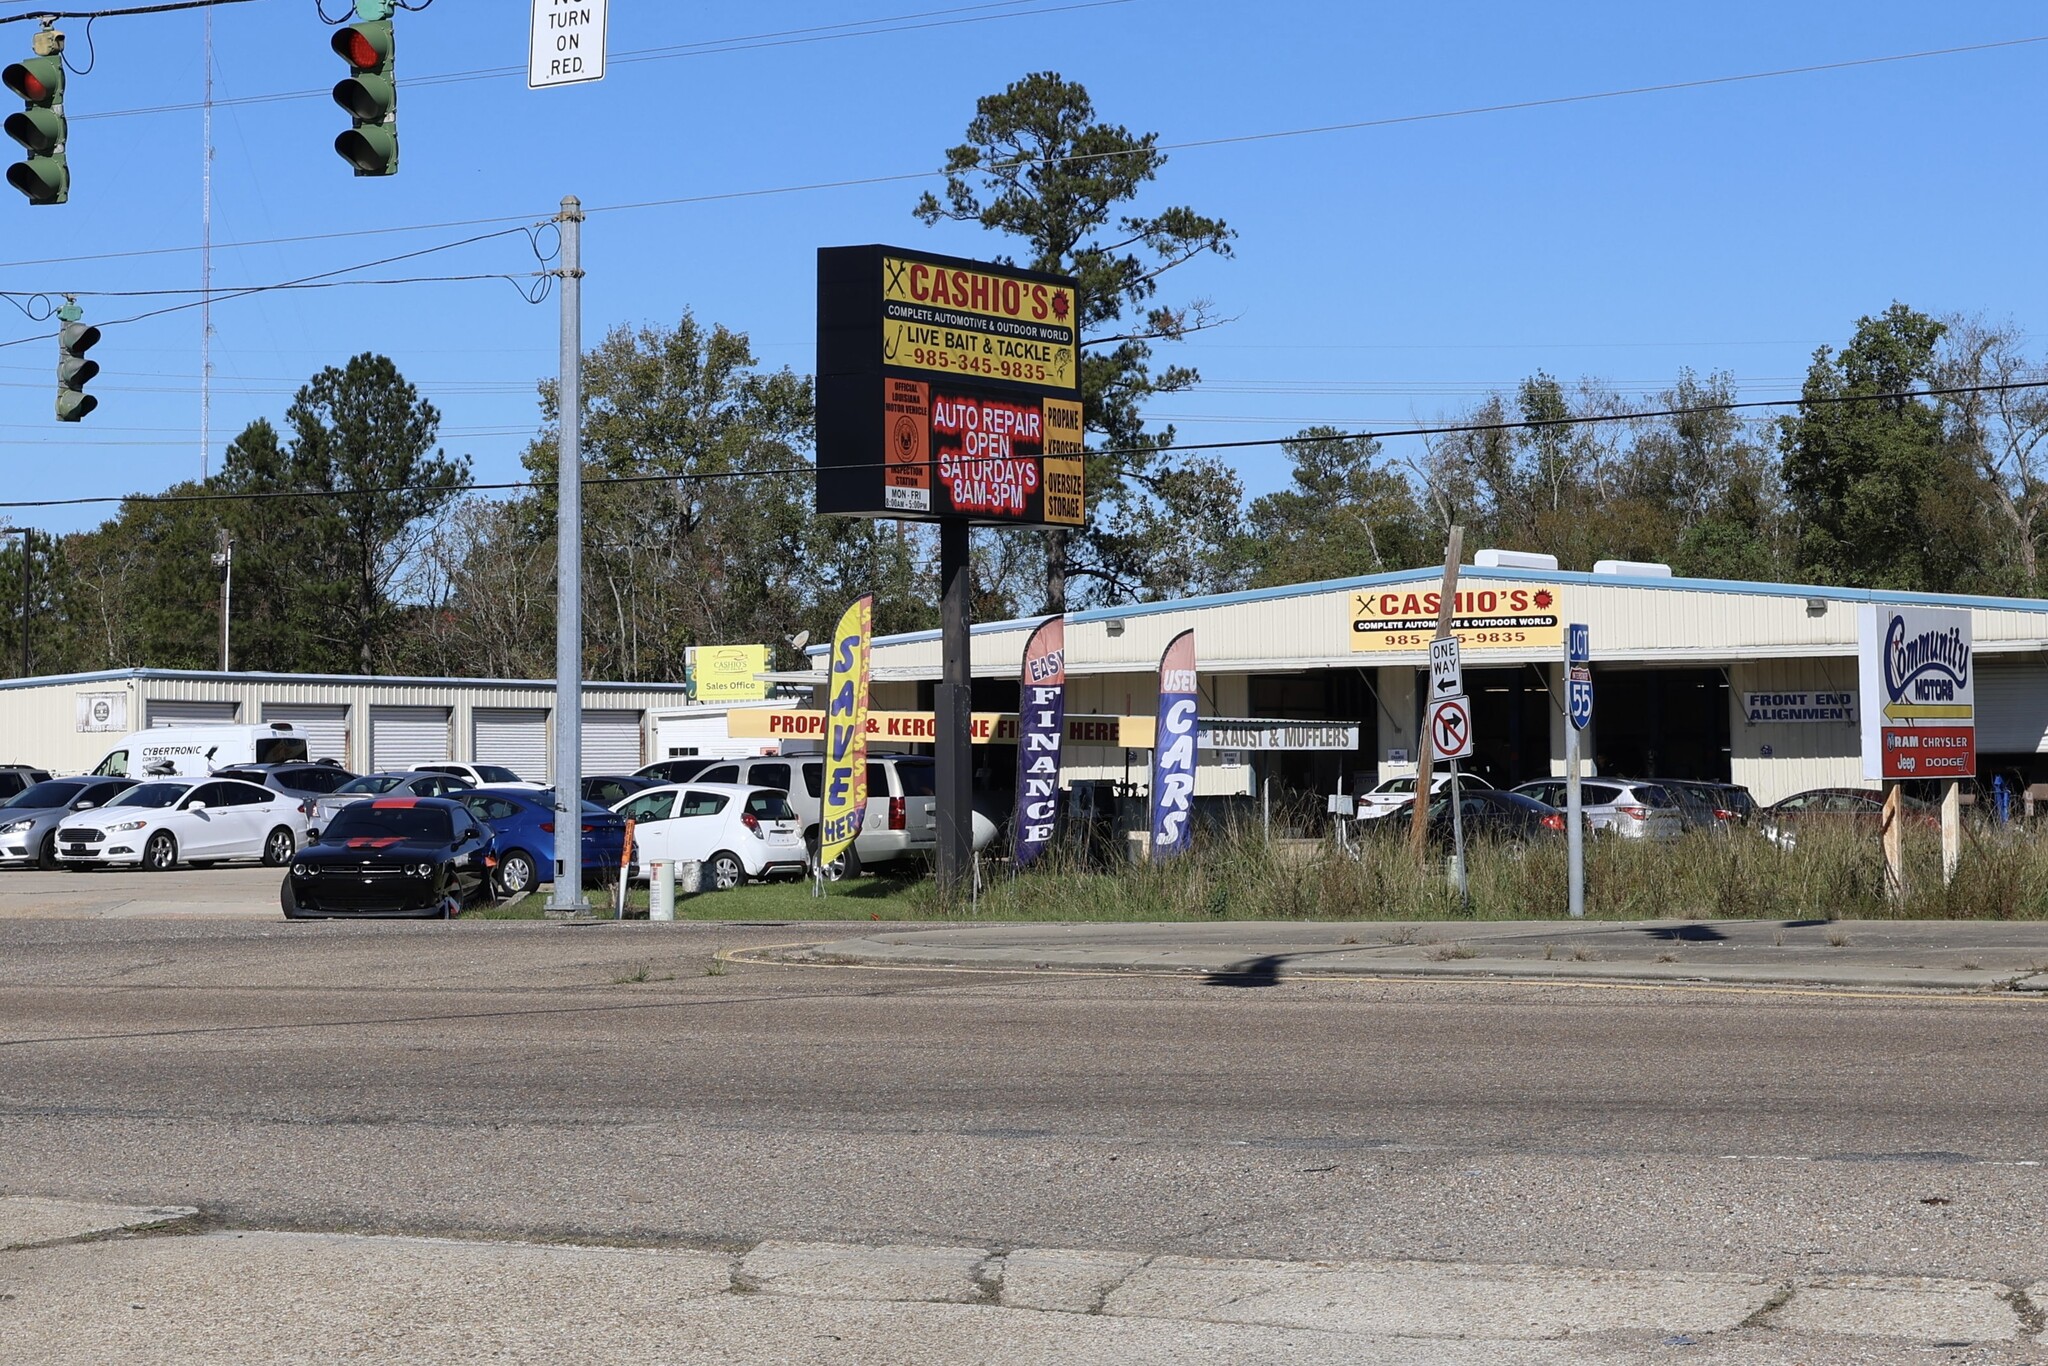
{"points": [[1425, 754], [1893, 839]]}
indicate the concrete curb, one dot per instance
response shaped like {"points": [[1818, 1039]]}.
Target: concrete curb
{"points": [[1896, 981]]}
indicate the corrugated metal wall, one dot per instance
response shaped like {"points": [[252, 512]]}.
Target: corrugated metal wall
{"points": [[39, 723]]}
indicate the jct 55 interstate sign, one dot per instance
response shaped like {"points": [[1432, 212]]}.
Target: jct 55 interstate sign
{"points": [[947, 389]]}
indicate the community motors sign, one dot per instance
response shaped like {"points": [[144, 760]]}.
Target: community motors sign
{"points": [[1918, 679]]}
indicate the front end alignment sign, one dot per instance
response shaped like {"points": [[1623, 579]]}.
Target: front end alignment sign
{"points": [[947, 389]]}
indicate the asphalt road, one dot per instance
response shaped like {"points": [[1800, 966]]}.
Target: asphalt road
{"points": [[601, 1083]]}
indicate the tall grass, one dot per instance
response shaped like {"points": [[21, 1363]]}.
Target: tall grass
{"points": [[1236, 875]]}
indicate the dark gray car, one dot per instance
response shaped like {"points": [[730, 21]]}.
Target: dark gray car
{"points": [[408, 784], [28, 823]]}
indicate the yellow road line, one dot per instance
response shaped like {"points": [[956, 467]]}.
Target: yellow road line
{"points": [[1697, 988]]}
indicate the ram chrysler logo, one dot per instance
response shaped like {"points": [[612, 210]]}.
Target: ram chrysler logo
{"points": [[1933, 664]]}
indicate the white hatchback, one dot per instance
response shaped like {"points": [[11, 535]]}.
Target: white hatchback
{"points": [[158, 825], [735, 830]]}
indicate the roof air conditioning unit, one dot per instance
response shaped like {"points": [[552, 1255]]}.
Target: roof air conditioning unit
{"points": [[1513, 559], [1634, 569]]}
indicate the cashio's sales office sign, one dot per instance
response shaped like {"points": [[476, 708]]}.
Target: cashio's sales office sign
{"points": [[947, 389], [1512, 616], [1918, 678]]}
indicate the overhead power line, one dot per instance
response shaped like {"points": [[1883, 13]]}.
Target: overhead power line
{"points": [[1446, 429], [165, 8], [807, 187]]}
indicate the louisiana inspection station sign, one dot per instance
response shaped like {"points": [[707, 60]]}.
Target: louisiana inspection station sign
{"points": [[947, 389]]}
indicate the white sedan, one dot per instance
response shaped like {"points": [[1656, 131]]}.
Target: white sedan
{"points": [[161, 824], [735, 830], [1394, 794]]}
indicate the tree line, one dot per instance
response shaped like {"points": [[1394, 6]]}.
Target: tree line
{"points": [[1913, 461]]}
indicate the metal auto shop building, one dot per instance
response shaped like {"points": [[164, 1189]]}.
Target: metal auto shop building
{"points": [[66, 723], [1753, 683]]}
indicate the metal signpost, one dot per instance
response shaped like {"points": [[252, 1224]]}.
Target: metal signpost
{"points": [[1578, 714], [1450, 735]]}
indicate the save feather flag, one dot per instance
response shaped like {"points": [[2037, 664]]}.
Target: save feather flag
{"points": [[1041, 724], [845, 800], [1173, 749]]}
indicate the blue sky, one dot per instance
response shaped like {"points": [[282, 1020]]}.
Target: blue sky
{"points": [[1384, 275]]}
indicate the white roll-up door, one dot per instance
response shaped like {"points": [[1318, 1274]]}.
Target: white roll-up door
{"points": [[325, 726], [611, 741], [2012, 709], [163, 714], [403, 737], [516, 737]]}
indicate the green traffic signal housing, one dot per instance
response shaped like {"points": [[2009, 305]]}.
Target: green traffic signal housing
{"points": [[370, 94], [45, 176], [74, 371]]}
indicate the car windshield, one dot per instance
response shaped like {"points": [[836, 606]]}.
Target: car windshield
{"points": [[374, 782], [152, 794], [368, 820], [491, 773], [47, 794]]}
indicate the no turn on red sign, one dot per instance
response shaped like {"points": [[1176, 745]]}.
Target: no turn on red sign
{"points": [[1450, 728]]}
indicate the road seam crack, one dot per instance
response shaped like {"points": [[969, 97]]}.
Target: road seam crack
{"points": [[1761, 1317]]}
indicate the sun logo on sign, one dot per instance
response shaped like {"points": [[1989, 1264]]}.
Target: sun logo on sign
{"points": [[1059, 307], [1543, 597]]}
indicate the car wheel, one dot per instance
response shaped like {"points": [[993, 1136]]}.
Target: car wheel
{"points": [[515, 873], [46, 854], [724, 871], [838, 870], [160, 855], [279, 847]]}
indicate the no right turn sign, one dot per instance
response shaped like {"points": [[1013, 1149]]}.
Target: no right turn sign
{"points": [[1450, 728]]}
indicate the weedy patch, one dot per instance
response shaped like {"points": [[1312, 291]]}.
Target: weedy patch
{"points": [[1444, 953], [1837, 939], [1583, 954]]}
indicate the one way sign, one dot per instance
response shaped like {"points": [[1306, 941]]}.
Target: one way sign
{"points": [[1446, 669]]}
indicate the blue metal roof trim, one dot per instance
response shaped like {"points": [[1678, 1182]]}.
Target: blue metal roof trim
{"points": [[349, 680], [1560, 576]]}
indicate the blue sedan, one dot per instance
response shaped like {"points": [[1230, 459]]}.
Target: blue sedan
{"points": [[522, 826]]}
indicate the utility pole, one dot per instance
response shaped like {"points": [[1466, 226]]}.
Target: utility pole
{"points": [[206, 297], [27, 601], [567, 896], [224, 561]]}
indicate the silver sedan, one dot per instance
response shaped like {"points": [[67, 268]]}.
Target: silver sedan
{"points": [[29, 821]]}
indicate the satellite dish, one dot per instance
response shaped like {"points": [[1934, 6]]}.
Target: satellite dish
{"points": [[798, 641]]}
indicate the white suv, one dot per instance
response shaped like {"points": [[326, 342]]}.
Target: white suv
{"points": [[902, 819]]}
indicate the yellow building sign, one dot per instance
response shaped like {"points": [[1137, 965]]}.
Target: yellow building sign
{"points": [[730, 673], [1503, 617]]}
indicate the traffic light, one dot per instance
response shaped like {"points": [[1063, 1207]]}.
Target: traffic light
{"points": [[370, 94], [74, 371], [46, 176]]}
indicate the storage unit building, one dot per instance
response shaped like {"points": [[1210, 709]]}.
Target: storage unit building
{"points": [[66, 723]]}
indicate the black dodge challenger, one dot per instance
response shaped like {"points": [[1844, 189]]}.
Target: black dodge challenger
{"points": [[391, 856]]}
